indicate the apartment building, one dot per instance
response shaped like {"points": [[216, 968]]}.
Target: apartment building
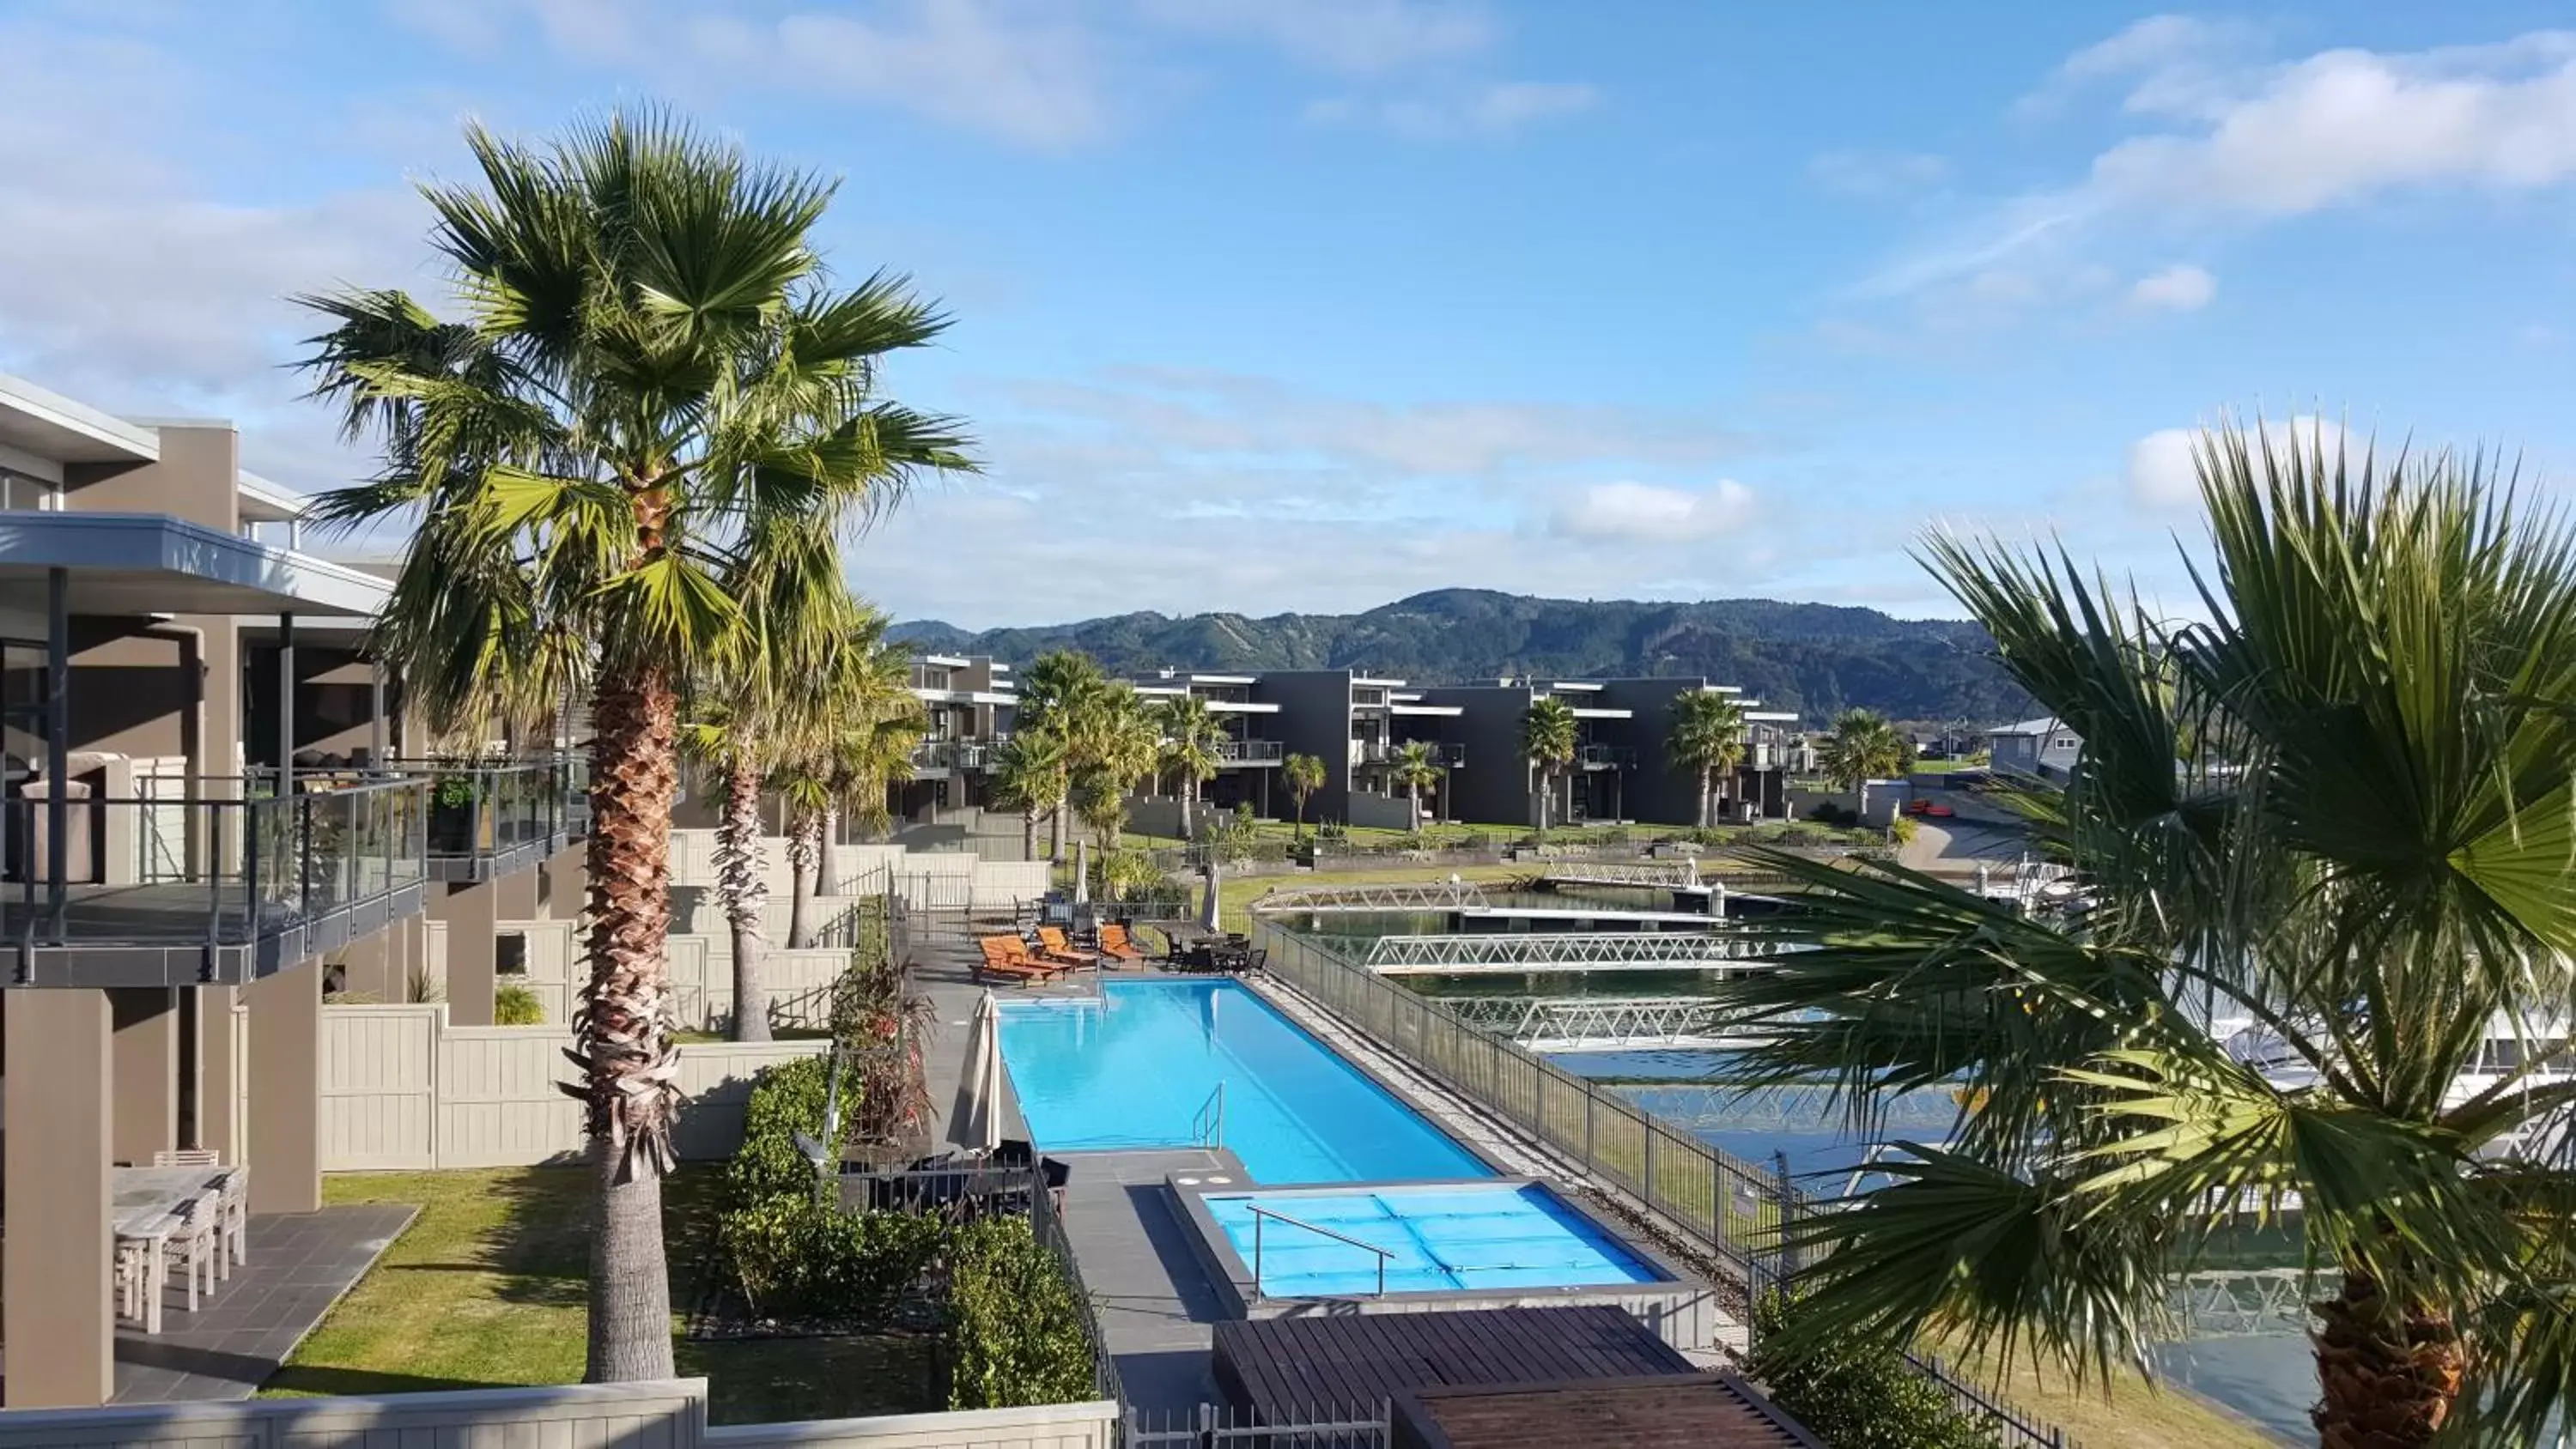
{"points": [[1622, 768], [970, 702], [1250, 754], [203, 811]]}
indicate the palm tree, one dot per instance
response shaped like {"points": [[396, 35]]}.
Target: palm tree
{"points": [[1862, 747], [1305, 776], [1029, 773], [853, 742], [1548, 736], [1707, 736], [1416, 767], [2326, 840], [654, 399], [1117, 746], [1189, 749], [1063, 693]]}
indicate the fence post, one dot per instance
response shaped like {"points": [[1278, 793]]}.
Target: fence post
{"points": [[1590, 1095], [1788, 1198], [1649, 1126]]}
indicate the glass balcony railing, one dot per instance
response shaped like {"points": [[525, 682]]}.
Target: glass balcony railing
{"points": [[1445, 754], [489, 816], [1251, 752], [1604, 757], [953, 754], [192, 863]]}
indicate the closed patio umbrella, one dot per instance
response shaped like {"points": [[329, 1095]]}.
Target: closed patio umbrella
{"points": [[977, 1123], [1208, 907], [1082, 872]]}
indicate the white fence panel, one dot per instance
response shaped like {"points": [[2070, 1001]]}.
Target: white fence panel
{"points": [[1052, 1426], [379, 1086], [664, 1414], [1007, 882], [498, 1103], [717, 1078]]}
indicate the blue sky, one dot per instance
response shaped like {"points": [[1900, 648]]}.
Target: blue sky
{"points": [[1309, 304]]}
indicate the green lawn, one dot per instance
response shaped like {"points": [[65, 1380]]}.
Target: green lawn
{"points": [[2130, 1414], [487, 1288]]}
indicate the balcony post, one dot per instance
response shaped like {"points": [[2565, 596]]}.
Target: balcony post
{"points": [[58, 746], [57, 1317], [286, 706], [376, 715], [285, 1082]]}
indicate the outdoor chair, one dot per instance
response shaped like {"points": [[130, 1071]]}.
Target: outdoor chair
{"points": [[198, 1247], [1115, 944], [235, 1186], [1007, 958], [1053, 946]]}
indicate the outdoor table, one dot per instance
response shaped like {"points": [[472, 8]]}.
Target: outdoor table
{"points": [[145, 1207]]}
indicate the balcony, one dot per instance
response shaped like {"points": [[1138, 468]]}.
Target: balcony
{"points": [[1446, 755], [1251, 752], [168, 887], [494, 818], [1604, 757], [934, 758]]}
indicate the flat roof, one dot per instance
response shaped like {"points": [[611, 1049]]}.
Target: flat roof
{"points": [[953, 661], [136, 564], [1586, 686], [53, 426], [1444, 711], [1225, 679], [1580, 712]]}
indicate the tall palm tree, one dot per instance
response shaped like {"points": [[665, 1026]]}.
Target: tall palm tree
{"points": [[1029, 774], [2327, 841], [1305, 776], [1117, 745], [1415, 766], [853, 742], [1548, 736], [654, 398], [1191, 736], [1064, 693], [1863, 746], [1707, 736]]}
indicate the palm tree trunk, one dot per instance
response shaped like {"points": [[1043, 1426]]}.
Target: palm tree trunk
{"points": [[1055, 828], [622, 1035], [745, 894], [827, 880], [2388, 1374], [802, 867], [1705, 786], [1413, 807], [1029, 833]]}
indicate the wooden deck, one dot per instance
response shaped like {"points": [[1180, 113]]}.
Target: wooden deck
{"points": [[1280, 1366], [1693, 1411]]}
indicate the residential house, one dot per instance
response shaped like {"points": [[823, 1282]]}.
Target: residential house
{"points": [[2044, 747]]}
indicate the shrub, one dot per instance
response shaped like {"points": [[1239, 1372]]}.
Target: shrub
{"points": [[516, 1005], [1854, 1396], [807, 1262], [1014, 1324], [1903, 829], [785, 1099]]}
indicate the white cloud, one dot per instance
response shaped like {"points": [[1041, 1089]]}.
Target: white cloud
{"points": [[1498, 109], [1350, 37], [1876, 175], [1646, 514], [2178, 288], [2244, 143]]}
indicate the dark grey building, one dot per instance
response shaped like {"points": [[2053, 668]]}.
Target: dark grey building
{"points": [[1622, 769]]}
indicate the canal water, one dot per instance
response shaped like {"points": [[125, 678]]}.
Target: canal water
{"points": [[2268, 1378]]}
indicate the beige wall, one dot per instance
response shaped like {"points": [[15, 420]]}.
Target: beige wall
{"points": [[401, 1087], [656, 1414], [146, 1025], [56, 1323], [284, 1072]]}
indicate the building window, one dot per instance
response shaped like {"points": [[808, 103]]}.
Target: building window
{"points": [[20, 493]]}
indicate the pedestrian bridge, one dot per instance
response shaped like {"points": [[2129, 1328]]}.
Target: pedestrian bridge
{"points": [[1482, 953], [1599, 1023], [1669, 875], [1352, 900]]}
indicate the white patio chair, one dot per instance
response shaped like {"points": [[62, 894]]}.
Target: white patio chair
{"points": [[236, 1188], [188, 1157], [198, 1242], [142, 1266]]}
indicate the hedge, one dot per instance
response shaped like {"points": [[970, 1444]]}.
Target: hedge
{"points": [[1856, 1396], [1014, 1323]]}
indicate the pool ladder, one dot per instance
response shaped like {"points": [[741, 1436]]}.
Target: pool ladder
{"points": [[1259, 1212], [1207, 1129]]}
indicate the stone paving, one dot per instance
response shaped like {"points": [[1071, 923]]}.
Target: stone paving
{"points": [[300, 1264]]}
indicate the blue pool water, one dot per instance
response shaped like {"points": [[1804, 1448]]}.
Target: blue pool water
{"points": [[1444, 1240], [1135, 1071]]}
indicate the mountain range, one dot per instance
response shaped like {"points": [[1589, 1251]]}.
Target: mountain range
{"points": [[1813, 658]]}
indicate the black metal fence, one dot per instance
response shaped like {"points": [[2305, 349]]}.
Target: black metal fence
{"points": [[1212, 1426]]}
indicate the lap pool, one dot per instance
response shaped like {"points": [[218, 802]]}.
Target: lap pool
{"points": [[1138, 1069], [1446, 1238]]}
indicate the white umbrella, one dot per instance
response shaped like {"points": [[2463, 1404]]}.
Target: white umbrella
{"points": [[1082, 872], [977, 1123], [1208, 910]]}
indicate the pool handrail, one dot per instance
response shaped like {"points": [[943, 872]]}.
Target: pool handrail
{"points": [[1207, 1129], [1259, 1212]]}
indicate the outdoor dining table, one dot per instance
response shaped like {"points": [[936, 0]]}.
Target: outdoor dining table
{"points": [[146, 1202]]}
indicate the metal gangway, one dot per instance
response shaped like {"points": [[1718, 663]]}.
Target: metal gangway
{"points": [[1599, 1023], [1479, 953], [1681, 875], [1348, 900], [2242, 1302]]}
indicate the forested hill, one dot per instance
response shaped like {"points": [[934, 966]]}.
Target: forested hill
{"points": [[1814, 658]]}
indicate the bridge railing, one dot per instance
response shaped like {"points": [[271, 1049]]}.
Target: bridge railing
{"points": [[1351, 899], [1534, 949]]}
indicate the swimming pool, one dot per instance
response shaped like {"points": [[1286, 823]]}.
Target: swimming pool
{"points": [[1139, 1068], [1446, 1238]]}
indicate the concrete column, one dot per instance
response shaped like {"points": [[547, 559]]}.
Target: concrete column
{"points": [[366, 967], [220, 1062], [409, 957], [470, 913], [144, 1022], [285, 1090], [514, 897], [58, 1318], [563, 882]]}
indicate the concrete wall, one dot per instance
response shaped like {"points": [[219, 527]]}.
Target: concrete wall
{"points": [[1496, 787], [658, 1414], [401, 1088], [1314, 718], [1657, 791]]}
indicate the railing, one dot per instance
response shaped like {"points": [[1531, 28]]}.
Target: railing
{"points": [[1510, 952], [1207, 1129], [951, 754], [1731, 1206], [228, 871], [1603, 757], [1216, 1426], [1446, 755], [481, 808], [1566, 1023], [1371, 899], [1262, 1214], [1251, 752]]}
